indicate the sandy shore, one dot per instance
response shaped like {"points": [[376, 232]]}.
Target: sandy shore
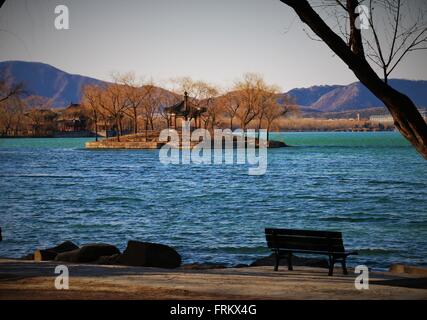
{"points": [[35, 280]]}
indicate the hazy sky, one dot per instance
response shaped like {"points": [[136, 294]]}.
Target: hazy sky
{"points": [[216, 41]]}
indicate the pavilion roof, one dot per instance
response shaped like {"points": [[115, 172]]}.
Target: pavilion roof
{"points": [[185, 108]]}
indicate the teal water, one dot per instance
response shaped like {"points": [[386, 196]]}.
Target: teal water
{"points": [[370, 186]]}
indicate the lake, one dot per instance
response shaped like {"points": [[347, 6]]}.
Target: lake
{"points": [[371, 186]]}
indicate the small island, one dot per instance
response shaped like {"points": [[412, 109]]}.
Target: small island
{"points": [[190, 115]]}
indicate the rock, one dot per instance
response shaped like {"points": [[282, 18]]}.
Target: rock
{"points": [[296, 261], [276, 144], [88, 253], [145, 254], [240, 265], [109, 260], [69, 256], [92, 252], [51, 253], [64, 247], [402, 268], [203, 266]]}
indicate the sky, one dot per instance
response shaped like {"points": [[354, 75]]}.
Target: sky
{"points": [[216, 41]]}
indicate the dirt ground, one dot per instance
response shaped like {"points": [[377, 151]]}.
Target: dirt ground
{"points": [[36, 280]]}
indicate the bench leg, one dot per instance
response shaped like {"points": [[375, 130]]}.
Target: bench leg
{"points": [[331, 266], [344, 267], [290, 267], [276, 265]]}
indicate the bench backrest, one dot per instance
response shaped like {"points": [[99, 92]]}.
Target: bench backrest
{"points": [[305, 240]]}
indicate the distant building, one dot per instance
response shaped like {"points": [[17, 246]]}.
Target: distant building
{"points": [[387, 118], [73, 118], [383, 118]]}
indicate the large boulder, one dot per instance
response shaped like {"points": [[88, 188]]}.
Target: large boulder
{"points": [[88, 253], [51, 253], [70, 256], [146, 254], [109, 260]]}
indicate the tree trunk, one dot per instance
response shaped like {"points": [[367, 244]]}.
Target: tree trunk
{"points": [[146, 129], [117, 130], [95, 116], [135, 121], [407, 118], [268, 130]]}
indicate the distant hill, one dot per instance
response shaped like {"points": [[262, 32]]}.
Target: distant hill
{"points": [[354, 96], [308, 96], [47, 81], [64, 88]]}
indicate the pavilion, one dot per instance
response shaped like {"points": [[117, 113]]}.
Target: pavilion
{"points": [[186, 110]]}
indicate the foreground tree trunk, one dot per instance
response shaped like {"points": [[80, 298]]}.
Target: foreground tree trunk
{"points": [[407, 118]]}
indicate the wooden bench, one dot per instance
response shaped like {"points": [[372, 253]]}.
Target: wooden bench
{"points": [[285, 242]]}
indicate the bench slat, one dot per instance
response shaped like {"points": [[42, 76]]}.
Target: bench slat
{"points": [[314, 233], [282, 238], [311, 247]]}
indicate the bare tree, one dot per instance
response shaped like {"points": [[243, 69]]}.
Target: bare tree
{"points": [[268, 96], [277, 108], [208, 103], [404, 37], [92, 99], [135, 93], [151, 105], [407, 118], [231, 105], [113, 103], [167, 100], [11, 104], [11, 116], [40, 115], [10, 90], [210, 116], [248, 91]]}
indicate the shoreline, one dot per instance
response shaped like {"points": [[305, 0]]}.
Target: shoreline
{"points": [[208, 265], [276, 132]]}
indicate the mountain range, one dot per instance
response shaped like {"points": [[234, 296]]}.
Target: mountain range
{"points": [[354, 96], [47, 81], [64, 88]]}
